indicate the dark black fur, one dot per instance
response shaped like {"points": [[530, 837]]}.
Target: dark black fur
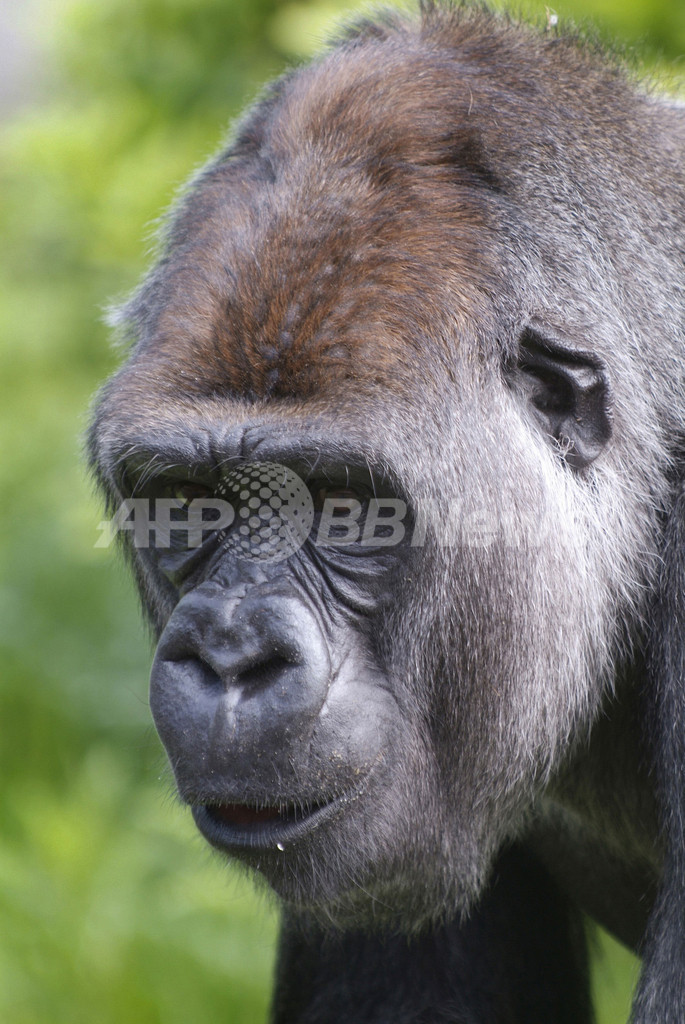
{"points": [[442, 265], [662, 989]]}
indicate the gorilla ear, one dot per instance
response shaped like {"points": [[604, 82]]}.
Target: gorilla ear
{"points": [[569, 393]]}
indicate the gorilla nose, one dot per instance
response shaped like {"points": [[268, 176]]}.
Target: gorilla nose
{"points": [[234, 679], [251, 650]]}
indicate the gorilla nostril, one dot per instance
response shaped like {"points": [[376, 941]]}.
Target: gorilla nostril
{"points": [[189, 665], [264, 672], [210, 678]]}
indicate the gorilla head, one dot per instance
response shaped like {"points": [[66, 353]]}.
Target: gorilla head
{"points": [[427, 300]]}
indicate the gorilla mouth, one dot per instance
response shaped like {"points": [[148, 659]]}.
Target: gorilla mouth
{"points": [[233, 826], [243, 814]]}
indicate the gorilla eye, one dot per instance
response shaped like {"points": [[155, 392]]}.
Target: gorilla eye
{"points": [[323, 494], [187, 491]]}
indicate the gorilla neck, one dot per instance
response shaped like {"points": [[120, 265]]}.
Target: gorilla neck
{"points": [[597, 822]]}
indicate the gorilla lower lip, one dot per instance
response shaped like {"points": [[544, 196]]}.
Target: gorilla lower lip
{"points": [[234, 825]]}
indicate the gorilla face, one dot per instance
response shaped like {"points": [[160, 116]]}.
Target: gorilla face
{"points": [[380, 696]]}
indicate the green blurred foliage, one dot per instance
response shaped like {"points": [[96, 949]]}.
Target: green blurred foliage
{"points": [[111, 908]]}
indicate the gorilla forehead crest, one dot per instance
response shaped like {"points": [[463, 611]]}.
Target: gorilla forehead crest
{"points": [[420, 302], [351, 191]]}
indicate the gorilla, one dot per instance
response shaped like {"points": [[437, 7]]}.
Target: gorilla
{"points": [[400, 449]]}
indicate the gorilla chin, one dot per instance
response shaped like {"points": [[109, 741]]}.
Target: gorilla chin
{"points": [[397, 459]]}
